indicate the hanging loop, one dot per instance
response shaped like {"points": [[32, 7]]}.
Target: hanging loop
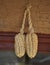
{"points": [[22, 29], [31, 29]]}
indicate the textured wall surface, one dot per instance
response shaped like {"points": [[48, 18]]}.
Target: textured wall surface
{"points": [[11, 15]]}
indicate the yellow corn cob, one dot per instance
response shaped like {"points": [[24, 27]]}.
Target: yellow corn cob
{"points": [[20, 45], [31, 44]]}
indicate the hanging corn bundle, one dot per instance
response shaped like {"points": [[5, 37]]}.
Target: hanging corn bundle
{"points": [[20, 41], [28, 44], [31, 39]]}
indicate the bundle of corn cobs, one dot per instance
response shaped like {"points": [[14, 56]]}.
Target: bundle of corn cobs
{"points": [[26, 43]]}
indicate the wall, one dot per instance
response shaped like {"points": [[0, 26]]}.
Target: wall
{"points": [[11, 15], [7, 42]]}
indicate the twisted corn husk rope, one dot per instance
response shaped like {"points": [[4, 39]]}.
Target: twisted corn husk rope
{"points": [[29, 19]]}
